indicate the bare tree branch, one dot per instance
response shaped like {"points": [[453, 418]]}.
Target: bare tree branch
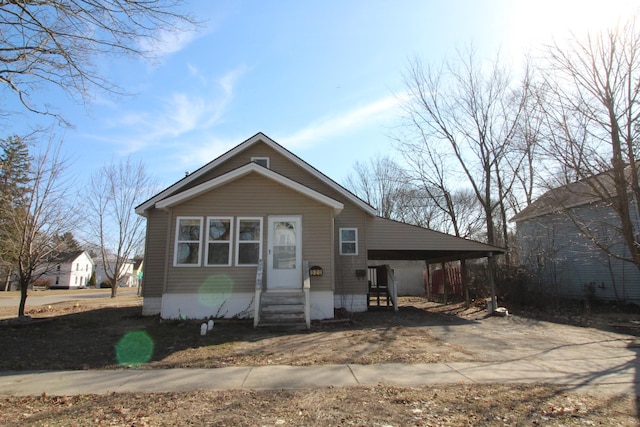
{"points": [[56, 42]]}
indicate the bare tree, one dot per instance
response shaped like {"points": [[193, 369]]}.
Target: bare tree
{"points": [[380, 183], [463, 117], [55, 43], [593, 89], [429, 172], [114, 192], [36, 221]]}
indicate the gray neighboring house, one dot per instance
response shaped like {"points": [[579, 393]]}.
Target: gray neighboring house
{"points": [[568, 262], [258, 228]]}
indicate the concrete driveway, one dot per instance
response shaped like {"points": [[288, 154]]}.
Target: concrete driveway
{"points": [[587, 355]]}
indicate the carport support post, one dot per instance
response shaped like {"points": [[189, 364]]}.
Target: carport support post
{"points": [[445, 284], [465, 284], [428, 281], [492, 282]]}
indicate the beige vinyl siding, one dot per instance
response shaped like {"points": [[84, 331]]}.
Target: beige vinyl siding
{"points": [[319, 244], [346, 265], [155, 255], [346, 281], [279, 164], [254, 196]]}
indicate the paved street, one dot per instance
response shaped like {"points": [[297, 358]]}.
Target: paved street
{"points": [[38, 298]]}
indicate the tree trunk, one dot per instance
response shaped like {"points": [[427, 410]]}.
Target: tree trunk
{"points": [[491, 268], [23, 299], [114, 288], [445, 284]]}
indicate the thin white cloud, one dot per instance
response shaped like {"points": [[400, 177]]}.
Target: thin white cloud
{"points": [[357, 118], [178, 115], [209, 148], [167, 42]]}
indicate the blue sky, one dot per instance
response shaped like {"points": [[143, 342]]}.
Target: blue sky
{"points": [[319, 77]]}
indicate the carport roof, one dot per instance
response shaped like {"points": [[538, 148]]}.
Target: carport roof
{"points": [[392, 240]]}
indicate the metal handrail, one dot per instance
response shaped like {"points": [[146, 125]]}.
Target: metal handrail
{"points": [[306, 288], [256, 303]]}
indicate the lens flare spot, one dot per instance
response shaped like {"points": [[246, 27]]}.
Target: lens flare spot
{"points": [[134, 349], [215, 290]]}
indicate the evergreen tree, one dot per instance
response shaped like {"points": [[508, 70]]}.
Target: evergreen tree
{"points": [[66, 243], [15, 180]]}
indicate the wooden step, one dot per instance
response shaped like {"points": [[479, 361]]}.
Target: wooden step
{"points": [[282, 310]]}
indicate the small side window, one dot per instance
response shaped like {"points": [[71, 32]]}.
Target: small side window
{"points": [[348, 241]]}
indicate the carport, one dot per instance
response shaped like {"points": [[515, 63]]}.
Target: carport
{"points": [[392, 240]]}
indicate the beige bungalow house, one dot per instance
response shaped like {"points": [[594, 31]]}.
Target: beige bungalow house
{"points": [[259, 233]]}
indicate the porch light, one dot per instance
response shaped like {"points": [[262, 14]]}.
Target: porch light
{"points": [[315, 271]]}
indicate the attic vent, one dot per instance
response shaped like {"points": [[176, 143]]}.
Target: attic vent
{"points": [[262, 161]]}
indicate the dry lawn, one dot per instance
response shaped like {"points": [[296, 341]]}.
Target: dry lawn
{"points": [[449, 405], [82, 334]]}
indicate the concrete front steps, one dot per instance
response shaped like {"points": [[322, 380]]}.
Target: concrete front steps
{"points": [[282, 310]]}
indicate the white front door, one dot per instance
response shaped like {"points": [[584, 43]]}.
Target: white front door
{"points": [[284, 253]]}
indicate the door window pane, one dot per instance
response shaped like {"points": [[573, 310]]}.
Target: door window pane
{"points": [[284, 247]]}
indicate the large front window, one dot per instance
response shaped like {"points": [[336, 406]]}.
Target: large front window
{"points": [[188, 238], [249, 241], [219, 234]]}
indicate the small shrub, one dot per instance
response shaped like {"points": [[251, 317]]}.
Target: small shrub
{"points": [[42, 283]]}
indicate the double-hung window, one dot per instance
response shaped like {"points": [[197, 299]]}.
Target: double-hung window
{"points": [[188, 238], [219, 235], [348, 241], [248, 241]]}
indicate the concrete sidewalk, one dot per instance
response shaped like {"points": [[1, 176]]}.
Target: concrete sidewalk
{"points": [[575, 375]]}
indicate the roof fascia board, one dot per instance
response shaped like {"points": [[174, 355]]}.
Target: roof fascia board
{"points": [[242, 171], [243, 146]]}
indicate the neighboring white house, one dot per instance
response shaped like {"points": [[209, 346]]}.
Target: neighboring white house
{"points": [[128, 278], [69, 270], [409, 276]]}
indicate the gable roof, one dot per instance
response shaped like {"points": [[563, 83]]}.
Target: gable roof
{"points": [[597, 188], [65, 257], [259, 137], [239, 173]]}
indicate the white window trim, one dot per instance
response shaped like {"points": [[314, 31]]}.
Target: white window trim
{"points": [[238, 241], [348, 241], [255, 160], [176, 242], [229, 242]]}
